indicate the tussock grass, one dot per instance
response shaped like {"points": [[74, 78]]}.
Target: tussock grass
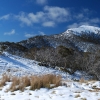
{"points": [[35, 82], [5, 78], [82, 80], [83, 99], [45, 81], [77, 96]]}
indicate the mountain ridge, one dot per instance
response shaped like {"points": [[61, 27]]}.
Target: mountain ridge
{"points": [[85, 42], [68, 38]]}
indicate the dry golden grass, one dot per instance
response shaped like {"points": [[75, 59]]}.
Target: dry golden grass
{"points": [[20, 83], [15, 84], [82, 80], [77, 96], [83, 99], [45, 81], [35, 82], [95, 90], [5, 78]]}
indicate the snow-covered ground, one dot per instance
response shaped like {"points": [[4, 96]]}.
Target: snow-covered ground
{"points": [[90, 90], [19, 66], [72, 91]]}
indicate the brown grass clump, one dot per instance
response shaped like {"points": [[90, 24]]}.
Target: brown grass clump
{"points": [[15, 84], [25, 81], [82, 80], [83, 99], [45, 81], [35, 82], [77, 96], [5, 78], [20, 83]]}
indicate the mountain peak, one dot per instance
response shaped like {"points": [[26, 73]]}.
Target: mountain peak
{"points": [[84, 29]]}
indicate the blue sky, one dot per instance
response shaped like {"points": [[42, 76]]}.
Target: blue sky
{"points": [[21, 19]]}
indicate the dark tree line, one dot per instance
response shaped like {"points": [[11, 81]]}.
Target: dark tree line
{"points": [[66, 58]]}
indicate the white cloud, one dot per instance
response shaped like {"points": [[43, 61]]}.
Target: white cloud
{"points": [[36, 18], [30, 18], [74, 25], [95, 20], [5, 17], [84, 17], [23, 17], [41, 33], [79, 16], [48, 24], [57, 13], [12, 32], [48, 17], [41, 2], [85, 10], [27, 35]]}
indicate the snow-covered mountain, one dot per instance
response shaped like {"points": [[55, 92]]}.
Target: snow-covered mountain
{"points": [[84, 38], [84, 29]]}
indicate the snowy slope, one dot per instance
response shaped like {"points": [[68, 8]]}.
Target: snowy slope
{"points": [[19, 66], [22, 66]]}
